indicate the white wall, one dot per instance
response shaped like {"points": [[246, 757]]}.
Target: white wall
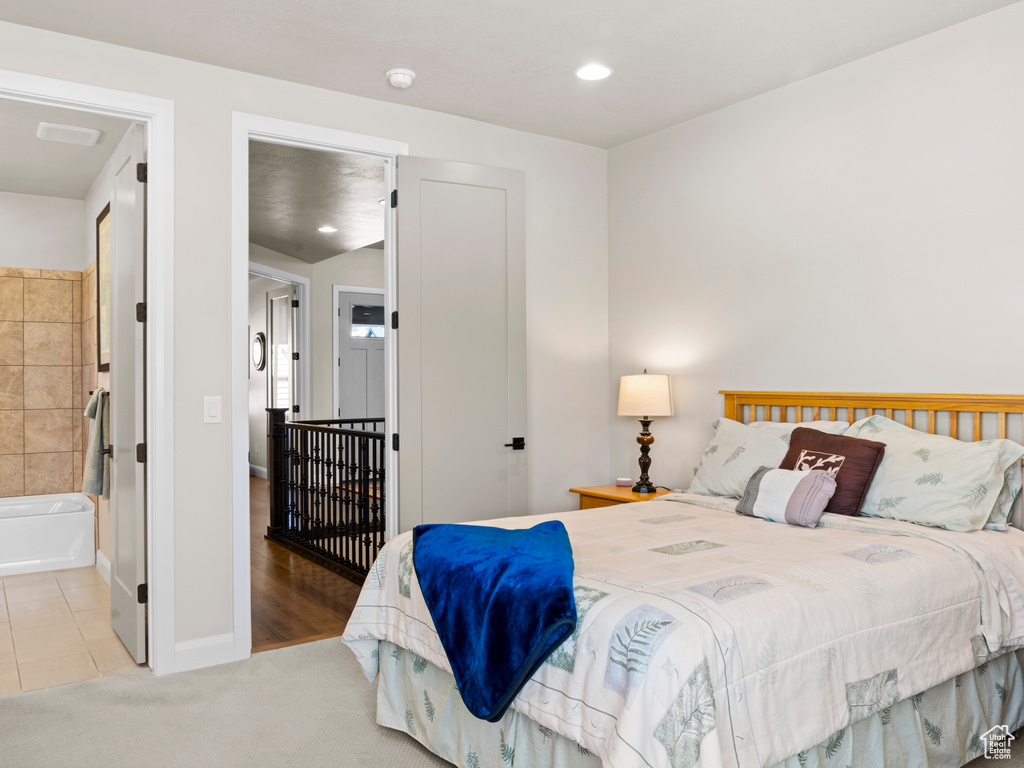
{"points": [[363, 268], [861, 230], [567, 266], [41, 232]]}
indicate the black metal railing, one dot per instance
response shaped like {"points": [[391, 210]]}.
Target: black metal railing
{"points": [[327, 490]]}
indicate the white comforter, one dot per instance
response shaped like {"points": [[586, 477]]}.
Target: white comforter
{"points": [[710, 639]]}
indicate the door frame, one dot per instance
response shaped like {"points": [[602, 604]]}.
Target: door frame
{"points": [[158, 117], [300, 285], [336, 337], [246, 127]]}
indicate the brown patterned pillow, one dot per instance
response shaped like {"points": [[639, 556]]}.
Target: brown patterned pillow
{"points": [[851, 460]]}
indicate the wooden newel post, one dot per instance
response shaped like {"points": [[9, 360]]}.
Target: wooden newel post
{"points": [[277, 470]]}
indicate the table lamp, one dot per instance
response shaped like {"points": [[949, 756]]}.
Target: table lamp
{"points": [[645, 395]]}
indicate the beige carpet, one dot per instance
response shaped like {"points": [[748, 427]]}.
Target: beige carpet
{"points": [[302, 707]]}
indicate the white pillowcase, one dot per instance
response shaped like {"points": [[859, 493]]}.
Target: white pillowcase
{"points": [[737, 451], [939, 481]]}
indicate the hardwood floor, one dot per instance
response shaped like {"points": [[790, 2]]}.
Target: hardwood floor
{"points": [[293, 600]]}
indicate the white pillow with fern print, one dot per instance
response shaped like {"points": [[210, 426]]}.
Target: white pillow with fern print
{"points": [[938, 481], [737, 451]]}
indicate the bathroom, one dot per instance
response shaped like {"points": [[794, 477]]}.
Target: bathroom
{"points": [[55, 352]]}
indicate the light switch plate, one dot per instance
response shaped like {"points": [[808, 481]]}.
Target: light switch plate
{"points": [[211, 409]]}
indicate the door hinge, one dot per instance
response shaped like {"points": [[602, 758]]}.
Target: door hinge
{"points": [[394, 198], [295, 409], [394, 320], [295, 355], [295, 302], [142, 173], [394, 441], [143, 594], [140, 453], [140, 312]]}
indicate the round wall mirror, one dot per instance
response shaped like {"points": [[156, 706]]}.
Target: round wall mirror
{"points": [[259, 351]]}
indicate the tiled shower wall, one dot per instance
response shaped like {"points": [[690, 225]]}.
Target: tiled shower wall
{"points": [[41, 381]]}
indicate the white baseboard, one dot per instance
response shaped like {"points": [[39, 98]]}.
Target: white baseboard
{"points": [[204, 652], [103, 566], [258, 471]]}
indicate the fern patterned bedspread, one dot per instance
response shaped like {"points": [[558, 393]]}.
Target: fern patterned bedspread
{"points": [[706, 638]]}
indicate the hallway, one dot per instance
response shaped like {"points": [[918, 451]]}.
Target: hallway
{"points": [[293, 600]]}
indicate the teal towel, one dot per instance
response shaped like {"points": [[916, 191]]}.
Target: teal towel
{"points": [[96, 480]]}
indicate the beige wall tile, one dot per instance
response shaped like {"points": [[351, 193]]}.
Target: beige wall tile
{"points": [[89, 341], [76, 344], [18, 272], [89, 270], [51, 672], [89, 296], [49, 642], [3, 606], [12, 432], [49, 431], [48, 386], [12, 475], [49, 473], [79, 471], [12, 343], [59, 274], [48, 301], [12, 387], [12, 298], [76, 302], [40, 613], [89, 376], [9, 680], [48, 343]]}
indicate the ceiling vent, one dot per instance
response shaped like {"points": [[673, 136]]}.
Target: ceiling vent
{"points": [[68, 134]]}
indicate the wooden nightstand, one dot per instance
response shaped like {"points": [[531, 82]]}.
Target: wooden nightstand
{"points": [[609, 495]]}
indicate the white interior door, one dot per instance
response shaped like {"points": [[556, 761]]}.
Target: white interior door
{"points": [[281, 340], [361, 328], [461, 342], [127, 397]]}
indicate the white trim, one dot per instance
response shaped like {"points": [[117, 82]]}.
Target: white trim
{"points": [[158, 116], [205, 652], [245, 127], [103, 566], [336, 337], [258, 471], [302, 334]]}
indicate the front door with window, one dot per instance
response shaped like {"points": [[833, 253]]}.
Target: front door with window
{"points": [[360, 355]]}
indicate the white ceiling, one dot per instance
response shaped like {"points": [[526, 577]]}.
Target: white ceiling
{"points": [[512, 63], [294, 191], [31, 166]]}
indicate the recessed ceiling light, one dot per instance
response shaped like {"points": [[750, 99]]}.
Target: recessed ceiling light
{"points": [[381, 201], [327, 228], [593, 72]]}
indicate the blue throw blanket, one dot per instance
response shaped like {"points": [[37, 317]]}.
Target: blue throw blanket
{"points": [[501, 601]]}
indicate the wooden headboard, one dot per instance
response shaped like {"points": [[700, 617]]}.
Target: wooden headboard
{"points": [[964, 417], [909, 409]]}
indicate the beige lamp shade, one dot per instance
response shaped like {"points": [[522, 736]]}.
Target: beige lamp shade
{"points": [[646, 394]]}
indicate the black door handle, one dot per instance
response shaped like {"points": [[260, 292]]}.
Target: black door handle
{"points": [[517, 444]]}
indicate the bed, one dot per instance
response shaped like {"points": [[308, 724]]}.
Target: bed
{"points": [[707, 638]]}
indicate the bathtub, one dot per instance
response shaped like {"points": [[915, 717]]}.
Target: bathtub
{"points": [[46, 533]]}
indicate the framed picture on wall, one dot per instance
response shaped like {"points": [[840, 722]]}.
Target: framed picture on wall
{"points": [[103, 289]]}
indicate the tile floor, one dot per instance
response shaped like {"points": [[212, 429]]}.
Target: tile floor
{"points": [[55, 629]]}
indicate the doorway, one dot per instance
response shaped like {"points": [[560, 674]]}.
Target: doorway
{"points": [[154, 118], [315, 220], [359, 333]]}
